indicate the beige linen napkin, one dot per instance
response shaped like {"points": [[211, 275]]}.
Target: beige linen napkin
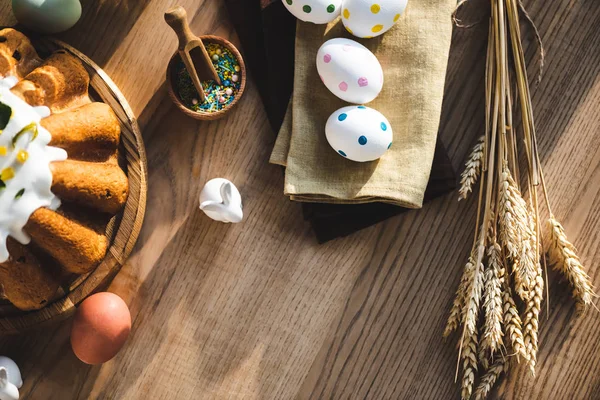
{"points": [[414, 56]]}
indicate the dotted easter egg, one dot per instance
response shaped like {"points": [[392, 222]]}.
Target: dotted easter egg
{"points": [[359, 133], [370, 18], [315, 11], [349, 70]]}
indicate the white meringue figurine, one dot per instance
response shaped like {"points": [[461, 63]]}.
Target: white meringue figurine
{"points": [[10, 379], [221, 201]]}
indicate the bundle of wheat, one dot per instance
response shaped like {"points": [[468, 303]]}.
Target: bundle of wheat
{"points": [[508, 251]]}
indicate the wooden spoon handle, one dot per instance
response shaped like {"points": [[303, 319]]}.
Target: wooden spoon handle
{"points": [[176, 17]]}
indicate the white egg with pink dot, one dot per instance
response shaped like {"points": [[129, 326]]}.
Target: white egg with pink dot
{"points": [[349, 70]]}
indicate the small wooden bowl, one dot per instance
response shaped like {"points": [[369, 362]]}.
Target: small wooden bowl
{"points": [[171, 79]]}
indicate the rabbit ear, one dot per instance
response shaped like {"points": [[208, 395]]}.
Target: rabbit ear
{"points": [[211, 206], [3, 377], [226, 193]]}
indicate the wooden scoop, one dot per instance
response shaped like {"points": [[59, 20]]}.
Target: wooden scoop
{"points": [[191, 50]]}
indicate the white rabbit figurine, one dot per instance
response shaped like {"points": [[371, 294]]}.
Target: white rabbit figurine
{"points": [[221, 201], [8, 391]]}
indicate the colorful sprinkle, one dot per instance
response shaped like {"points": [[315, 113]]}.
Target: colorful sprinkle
{"points": [[343, 86], [330, 8], [307, 9], [218, 97], [346, 13], [362, 82], [290, 2], [361, 107], [362, 140], [377, 28], [22, 156], [390, 145], [349, 30], [3, 151], [375, 8], [327, 58], [396, 18], [342, 116], [342, 153], [7, 174], [383, 126]]}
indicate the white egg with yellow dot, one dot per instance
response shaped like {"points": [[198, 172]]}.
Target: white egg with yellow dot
{"points": [[359, 133], [370, 18], [315, 11]]}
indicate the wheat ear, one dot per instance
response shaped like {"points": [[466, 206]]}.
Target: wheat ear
{"points": [[531, 320], [469, 356], [517, 235], [472, 169], [470, 314], [489, 379], [459, 301], [492, 328], [512, 323], [563, 256]]}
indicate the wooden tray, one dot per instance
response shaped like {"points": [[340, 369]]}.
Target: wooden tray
{"points": [[123, 229]]}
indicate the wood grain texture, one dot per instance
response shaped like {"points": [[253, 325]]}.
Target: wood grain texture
{"points": [[259, 310]]}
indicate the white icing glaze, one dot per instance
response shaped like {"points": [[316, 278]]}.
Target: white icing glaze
{"points": [[33, 175]]}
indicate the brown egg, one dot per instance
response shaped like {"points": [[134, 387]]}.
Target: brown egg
{"points": [[100, 328]]}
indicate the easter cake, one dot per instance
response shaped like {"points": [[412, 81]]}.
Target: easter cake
{"points": [[60, 180]]}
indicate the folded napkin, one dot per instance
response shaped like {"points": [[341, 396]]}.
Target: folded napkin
{"points": [[267, 32], [414, 56]]}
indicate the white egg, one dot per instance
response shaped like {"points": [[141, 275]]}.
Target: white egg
{"points": [[359, 133], [370, 18], [349, 70], [315, 11]]}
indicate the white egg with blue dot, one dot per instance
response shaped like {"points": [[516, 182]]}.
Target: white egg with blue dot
{"points": [[359, 133], [315, 11]]}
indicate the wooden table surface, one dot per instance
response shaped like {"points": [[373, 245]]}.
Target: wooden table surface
{"points": [[259, 310]]}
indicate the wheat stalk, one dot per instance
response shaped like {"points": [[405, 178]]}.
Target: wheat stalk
{"points": [[472, 169], [563, 256], [489, 379], [531, 320], [492, 331]]}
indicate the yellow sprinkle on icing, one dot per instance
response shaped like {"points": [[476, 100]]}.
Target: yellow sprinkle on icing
{"points": [[375, 8], [7, 174], [346, 13], [397, 17], [3, 150], [22, 156], [349, 30], [377, 28]]}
